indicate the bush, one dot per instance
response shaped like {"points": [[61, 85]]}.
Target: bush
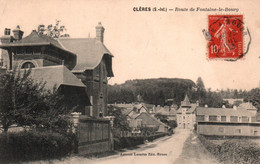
{"points": [[234, 150], [239, 151], [32, 145]]}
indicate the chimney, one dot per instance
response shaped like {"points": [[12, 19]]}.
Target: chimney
{"points": [[18, 34], [6, 38], [197, 103], [7, 31], [100, 32], [41, 29]]}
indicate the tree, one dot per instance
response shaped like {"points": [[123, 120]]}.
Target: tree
{"points": [[200, 84], [120, 121], [200, 89], [254, 97], [25, 102], [162, 118], [54, 31]]}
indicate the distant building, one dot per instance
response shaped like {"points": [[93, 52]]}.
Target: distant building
{"points": [[169, 111], [186, 118], [227, 122], [138, 117], [233, 101], [248, 106], [147, 120]]}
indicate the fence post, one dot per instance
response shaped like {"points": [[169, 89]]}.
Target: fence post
{"points": [[75, 120], [111, 122]]}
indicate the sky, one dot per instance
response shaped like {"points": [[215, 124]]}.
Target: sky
{"points": [[149, 44]]}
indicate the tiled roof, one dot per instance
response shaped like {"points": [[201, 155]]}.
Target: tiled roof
{"points": [[35, 39], [148, 119], [247, 105], [126, 111], [224, 111], [55, 75], [90, 52]]}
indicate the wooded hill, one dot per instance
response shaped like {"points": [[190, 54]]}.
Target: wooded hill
{"points": [[153, 91]]}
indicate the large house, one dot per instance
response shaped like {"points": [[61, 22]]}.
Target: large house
{"points": [[186, 116], [227, 122], [79, 62]]}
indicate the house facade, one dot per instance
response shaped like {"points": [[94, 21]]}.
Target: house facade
{"points": [[227, 122], [86, 59], [186, 117], [94, 68]]}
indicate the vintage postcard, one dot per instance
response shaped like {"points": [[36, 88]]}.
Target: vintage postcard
{"points": [[132, 82]]}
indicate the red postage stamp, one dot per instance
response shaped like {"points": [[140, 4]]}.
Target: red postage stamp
{"points": [[226, 36]]}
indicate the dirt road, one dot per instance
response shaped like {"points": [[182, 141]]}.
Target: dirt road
{"points": [[179, 148]]}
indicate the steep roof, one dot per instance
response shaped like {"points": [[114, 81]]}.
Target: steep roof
{"points": [[186, 101], [35, 39], [148, 119], [90, 52], [224, 112], [126, 111], [55, 76]]}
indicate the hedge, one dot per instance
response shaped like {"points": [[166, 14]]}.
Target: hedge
{"points": [[130, 142], [32, 145], [234, 150]]}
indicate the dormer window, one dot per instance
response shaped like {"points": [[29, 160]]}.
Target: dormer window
{"points": [[28, 65]]}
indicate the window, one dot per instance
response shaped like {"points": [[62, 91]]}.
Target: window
{"points": [[200, 118], [221, 129], [233, 119], [223, 118], [28, 65], [212, 118], [245, 119], [238, 131]]}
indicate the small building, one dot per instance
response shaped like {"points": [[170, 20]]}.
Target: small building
{"points": [[149, 121], [248, 106], [186, 118], [226, 122]]}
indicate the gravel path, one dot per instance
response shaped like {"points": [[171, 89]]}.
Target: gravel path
{"points": [[194, 153]]}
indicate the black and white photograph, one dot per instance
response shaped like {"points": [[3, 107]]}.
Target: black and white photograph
{"points": [[129, 82]]}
